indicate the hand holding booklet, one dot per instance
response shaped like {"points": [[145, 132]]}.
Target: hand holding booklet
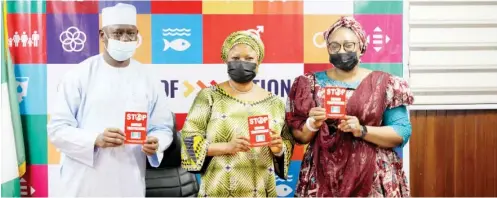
{"points": [[260, 134], [335, 102], [135, 127]]}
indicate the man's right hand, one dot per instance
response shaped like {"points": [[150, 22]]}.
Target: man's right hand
{"points": [[111, 137], [319, 115]]}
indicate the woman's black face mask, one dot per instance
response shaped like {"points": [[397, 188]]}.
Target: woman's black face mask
{"points": [[241, 71], [344, 61]]}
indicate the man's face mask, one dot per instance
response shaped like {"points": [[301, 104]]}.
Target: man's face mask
{"points": [[241, 71], [120, 50], [344, 61]]}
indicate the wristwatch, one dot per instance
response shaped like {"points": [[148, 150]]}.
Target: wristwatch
{"points": [[364, 131]]}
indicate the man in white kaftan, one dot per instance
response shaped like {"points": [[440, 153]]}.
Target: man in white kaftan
{"points": [[87, 123]]}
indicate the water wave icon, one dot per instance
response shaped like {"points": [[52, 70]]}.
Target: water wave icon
{"points": [[176, 32], [290, 179]]}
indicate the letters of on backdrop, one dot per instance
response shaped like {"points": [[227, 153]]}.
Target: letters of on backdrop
{"points": [[182, 42]]}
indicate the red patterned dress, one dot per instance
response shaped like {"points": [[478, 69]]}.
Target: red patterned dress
{"points": [[337, 164]]}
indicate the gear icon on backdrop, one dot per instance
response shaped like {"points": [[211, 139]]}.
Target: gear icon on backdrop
{"points": [[72, 39]]}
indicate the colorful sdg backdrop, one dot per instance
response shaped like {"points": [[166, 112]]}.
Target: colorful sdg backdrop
{"points": [[182, 41]]}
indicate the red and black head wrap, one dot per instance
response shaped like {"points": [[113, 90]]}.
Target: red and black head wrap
{"points": [[351, 23]]}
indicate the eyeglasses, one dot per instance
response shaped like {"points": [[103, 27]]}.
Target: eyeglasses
{"points": [[334, 47], [124, 35]]}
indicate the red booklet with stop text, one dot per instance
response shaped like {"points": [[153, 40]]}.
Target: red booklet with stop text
{"points": [[135, 127], [260, 135], [335, 102]]}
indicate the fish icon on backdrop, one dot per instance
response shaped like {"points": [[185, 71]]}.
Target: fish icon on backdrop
{"points": [[177, 44], [283, 190]]}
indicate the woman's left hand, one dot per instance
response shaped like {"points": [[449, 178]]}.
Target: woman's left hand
{"points": [[350, 124], [276, 144]]}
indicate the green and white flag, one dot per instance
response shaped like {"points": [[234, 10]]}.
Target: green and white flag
{"points": [[12, 141]]}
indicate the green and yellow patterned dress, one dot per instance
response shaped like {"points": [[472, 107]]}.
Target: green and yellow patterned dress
{"points": [[216, 117]]}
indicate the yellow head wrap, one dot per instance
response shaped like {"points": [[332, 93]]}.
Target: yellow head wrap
{"points": [[243, 37]]}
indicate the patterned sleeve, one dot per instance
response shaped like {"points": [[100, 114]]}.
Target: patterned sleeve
{"points": [[398, 119], [282, 163], [194, 145], [398, 93], [300, 101], [399, 96]]}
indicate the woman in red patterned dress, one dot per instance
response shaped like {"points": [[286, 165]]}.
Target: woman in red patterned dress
{"points": [[352, 156]]}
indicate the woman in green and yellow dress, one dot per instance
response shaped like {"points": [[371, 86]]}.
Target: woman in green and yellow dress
{"points": [[216, 135]]}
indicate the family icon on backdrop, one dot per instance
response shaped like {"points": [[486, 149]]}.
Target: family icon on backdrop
{"points": [[111, 117]]}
